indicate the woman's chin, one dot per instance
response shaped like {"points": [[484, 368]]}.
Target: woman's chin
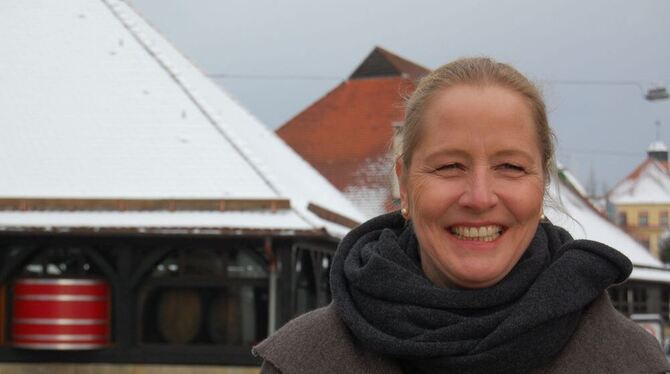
{"points": [[478, 275]]}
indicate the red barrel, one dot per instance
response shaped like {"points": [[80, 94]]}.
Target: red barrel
{"points": [[61, 313]]}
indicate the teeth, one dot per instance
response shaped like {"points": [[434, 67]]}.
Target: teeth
{"points": [[482, 233]]}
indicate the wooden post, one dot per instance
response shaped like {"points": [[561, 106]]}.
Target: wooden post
{"points": [[272, 286]]}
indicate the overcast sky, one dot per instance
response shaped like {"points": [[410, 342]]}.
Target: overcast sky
{"points": [[280, 56]]}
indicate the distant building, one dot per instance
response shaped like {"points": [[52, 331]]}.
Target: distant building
{"points": [[641, 201], [145, 216], [347, 134]]}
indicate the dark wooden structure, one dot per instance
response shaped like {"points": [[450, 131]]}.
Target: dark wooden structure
{"points": [[193, 297]]}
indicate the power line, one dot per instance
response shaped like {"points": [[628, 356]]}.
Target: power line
{"points": [[607, 152], [582, 82], [593, 82], [272, 77]]}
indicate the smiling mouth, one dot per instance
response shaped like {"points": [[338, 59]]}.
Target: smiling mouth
{"points": [[480, 233]]}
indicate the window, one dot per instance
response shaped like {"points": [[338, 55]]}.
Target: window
{"points": [[618, 295], [645, 243], [639, 299], [663, 218], [665, 303], [623, 219], [629, 299], [643, 219]]}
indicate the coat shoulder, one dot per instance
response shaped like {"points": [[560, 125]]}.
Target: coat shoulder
{"points": [[608, 342], [318, 341]]}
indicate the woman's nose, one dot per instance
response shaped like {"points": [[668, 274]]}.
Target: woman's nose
{"points": [[479, 194]]}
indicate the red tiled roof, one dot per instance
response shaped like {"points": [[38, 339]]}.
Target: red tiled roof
{"points": [[347, 134], [352, 124]]}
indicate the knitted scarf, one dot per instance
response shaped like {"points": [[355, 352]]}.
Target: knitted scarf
{"points": [[520, 323]]}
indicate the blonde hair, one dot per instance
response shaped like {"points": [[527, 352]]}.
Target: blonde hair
{"points": [[475, 71]]}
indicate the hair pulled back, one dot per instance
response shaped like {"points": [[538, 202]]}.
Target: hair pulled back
{"points": [[480, 71]]}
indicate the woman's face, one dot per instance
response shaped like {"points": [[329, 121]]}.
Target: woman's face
{"points": [[474, 189]]}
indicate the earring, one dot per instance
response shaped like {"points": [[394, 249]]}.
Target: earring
{"points": [[404, 213]]}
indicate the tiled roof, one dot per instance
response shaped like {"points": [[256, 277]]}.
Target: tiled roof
{"points": [[97, 105], [351, 124], [347, 135]]}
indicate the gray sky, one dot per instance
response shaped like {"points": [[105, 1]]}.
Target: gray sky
{"points": [[265, 45]]}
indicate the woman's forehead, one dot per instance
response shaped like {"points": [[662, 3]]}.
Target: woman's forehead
{"points": [[462, 117]]}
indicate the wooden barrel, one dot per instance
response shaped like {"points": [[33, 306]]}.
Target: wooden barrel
{"points": [[179, 315], [224, 322], [61, 313]]}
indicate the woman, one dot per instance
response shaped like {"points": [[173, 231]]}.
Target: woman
{"points": [[467, 278]]}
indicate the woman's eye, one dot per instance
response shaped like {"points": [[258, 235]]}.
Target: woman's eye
{"points": [[512, 168], [449, 169]]}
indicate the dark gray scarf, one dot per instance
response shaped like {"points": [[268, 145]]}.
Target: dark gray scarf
{"points": [[518, 324]]}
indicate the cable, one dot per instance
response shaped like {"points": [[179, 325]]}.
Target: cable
{"points": [[607, 152], [594, 82], [583, 82], [272, 77]]}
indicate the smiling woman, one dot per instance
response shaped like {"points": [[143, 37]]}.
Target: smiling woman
{"points": [[474, 185], [467, 277]]}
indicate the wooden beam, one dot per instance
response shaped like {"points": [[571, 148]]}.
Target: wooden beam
{"points": [[142, 205], [332, 216]]}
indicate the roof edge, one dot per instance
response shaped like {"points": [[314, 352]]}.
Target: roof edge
{"points": [[331, 216], [141, 205], [173, 231]]}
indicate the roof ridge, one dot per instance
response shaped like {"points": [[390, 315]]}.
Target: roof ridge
{"points": [[380, 62], [211, 117], [633, 175], [400, 62]]}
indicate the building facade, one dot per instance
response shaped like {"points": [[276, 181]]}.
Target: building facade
{"points": [[640, 203]]}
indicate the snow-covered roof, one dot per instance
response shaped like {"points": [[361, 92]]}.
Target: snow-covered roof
{"points": [[650, 184], [570, 179], [584, 222], [97, 104], [284, 221]]}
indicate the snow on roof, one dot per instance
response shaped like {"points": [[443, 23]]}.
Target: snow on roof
{"points": [[650, 186], [97, 104], [156, 220], [570, 179], [657, 146], [584, 222]]}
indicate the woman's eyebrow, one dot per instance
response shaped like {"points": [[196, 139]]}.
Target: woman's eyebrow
{"points": [[448, 153], [514, 153]]}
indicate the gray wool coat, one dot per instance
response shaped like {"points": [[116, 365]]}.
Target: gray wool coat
{"points": [[605, 342]]}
